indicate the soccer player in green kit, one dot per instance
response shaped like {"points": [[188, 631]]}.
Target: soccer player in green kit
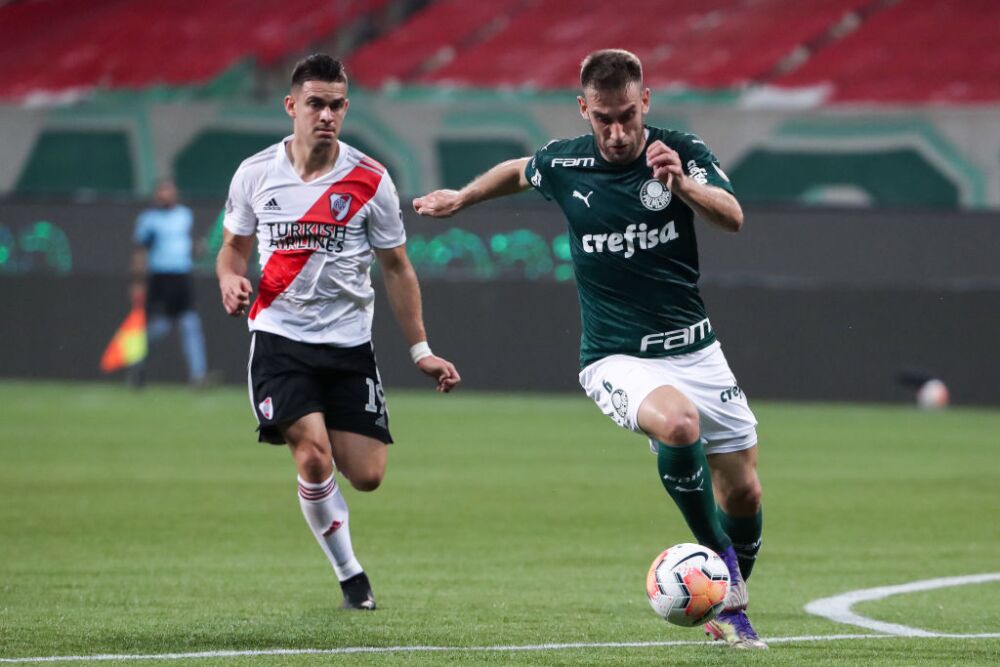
{"points": [[649, 355]]}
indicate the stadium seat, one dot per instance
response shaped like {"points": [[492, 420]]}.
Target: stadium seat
{"points": [[708, 44], [437, 31], [135, 44], [540, 44], [914, 51], [462, 160], [204, 167], [78, 162]]}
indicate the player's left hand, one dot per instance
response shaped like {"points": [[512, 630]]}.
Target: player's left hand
{"points": [[438, 204], [666, 164], [441, 370]]}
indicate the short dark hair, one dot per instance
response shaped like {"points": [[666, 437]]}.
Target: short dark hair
{"points": [[610, 69], [318, 67]]}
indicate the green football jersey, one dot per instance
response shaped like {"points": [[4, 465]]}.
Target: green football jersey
{"points": [[633, 245]]}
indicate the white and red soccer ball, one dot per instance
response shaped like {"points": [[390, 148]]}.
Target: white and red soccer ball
{"points": [[687, 584], [933, 395]]}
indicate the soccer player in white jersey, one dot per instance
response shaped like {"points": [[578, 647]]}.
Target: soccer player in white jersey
{"points": [[649, 356], [321, 212]]}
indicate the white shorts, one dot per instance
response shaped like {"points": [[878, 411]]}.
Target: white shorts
{"points": [[619, 384]]}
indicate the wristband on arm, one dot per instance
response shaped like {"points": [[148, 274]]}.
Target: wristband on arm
{"points": [[420, 351]]}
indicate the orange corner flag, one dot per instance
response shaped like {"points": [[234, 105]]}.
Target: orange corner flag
{"points": [[128, 346]]}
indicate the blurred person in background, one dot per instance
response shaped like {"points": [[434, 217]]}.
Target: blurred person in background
{"points": [[162, 281], [320, 212], [649, 356]]}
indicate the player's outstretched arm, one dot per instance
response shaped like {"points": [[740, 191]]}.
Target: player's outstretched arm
{"points": [[231, 270], [506, 178], [711, 203], [403, 291]]}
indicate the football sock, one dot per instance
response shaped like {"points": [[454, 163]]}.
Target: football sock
{"points": [[685, 475], [745, 532], [325, 511]]}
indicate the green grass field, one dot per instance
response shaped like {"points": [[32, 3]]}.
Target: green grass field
{"points": [[152, 523]]}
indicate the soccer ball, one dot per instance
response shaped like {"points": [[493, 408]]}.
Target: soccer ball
{"points": [[932, 395], [687, 584]]}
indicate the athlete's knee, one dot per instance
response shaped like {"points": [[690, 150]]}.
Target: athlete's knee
{"points": [[313, 461], [367, 478], [678, 425]]}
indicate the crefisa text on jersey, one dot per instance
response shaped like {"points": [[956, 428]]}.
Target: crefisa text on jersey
{"points": [[617, 242], [306, 236]]}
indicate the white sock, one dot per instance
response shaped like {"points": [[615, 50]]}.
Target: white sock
{"points": [[325, 511]]}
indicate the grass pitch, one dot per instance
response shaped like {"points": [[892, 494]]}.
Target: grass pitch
{"points": [[151, 523]]}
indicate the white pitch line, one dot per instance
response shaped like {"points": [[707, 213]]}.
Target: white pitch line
{"points": [[442, 649], [838, 607]]}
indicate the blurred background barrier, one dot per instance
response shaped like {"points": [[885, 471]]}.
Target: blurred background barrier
{"points": [[809, 303], [106, 148]]}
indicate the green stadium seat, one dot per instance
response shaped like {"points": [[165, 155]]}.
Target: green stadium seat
{"points": [[205, 167], [78, 161], [461, 160]]}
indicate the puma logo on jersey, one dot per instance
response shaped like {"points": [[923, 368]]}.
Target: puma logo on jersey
{"points": [[581, 197]]}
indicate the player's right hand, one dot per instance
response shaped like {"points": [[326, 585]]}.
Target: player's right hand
{"points": [[441, 370], [438, 204], [665, 162], [236, 291]]}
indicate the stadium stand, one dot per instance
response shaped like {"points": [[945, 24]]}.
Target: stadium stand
{"points": [[861, 50], [539, 43], [430, 36], [913, 51], [864, 50], [135, 44]]}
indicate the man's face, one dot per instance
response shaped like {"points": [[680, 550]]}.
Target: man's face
{"points": [[317, 109], [616, 116], [165, 194]]}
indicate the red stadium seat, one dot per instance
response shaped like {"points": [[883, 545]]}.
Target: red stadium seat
{"points": [[907, 52], [436, 31], [916, 51], [134, 44], [708, 44]]}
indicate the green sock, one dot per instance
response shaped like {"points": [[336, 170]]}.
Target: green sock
{"points": [[685, 475], [745, 533]]}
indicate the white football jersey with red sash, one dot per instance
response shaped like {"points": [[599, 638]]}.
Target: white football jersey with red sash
{"points": [[315, 242]]}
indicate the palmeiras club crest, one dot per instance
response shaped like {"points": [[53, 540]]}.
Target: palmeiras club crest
{"points": [[339, 206], [654, 195], [619, 399]]}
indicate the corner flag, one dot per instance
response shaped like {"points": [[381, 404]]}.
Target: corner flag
{"points": [[128, 345]]}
